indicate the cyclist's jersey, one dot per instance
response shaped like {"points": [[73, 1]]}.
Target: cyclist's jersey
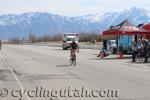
{"points": [[73, 45]]}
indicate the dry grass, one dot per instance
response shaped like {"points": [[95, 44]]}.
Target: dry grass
{"points": [[87, 38]]}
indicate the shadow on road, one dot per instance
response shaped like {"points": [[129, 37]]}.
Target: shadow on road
{"points": [[141, 62], [6, 75], [43, 77], [109, 58], [63, 66]]}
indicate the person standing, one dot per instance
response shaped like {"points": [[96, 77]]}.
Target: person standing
{"points": [[105, 44], [134, 51], [121, 48], [146, 46]]}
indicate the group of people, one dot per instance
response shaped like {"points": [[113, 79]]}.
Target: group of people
{"points": [[141, 48]]}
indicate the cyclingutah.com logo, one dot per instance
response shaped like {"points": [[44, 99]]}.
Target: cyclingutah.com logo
{"points": [[39, 92]]}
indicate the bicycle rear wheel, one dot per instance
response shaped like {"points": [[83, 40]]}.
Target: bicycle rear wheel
{"points": [[74, 60], [71, 61]]}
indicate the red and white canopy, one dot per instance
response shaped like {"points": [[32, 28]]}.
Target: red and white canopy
{"points": [[125, 28]]}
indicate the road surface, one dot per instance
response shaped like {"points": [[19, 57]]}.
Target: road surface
{"points": [[44, 73]]}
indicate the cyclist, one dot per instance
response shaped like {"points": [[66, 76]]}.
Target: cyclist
{"points": [[74, 46]]}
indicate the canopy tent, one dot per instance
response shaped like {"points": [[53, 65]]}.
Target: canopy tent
{"points": [[146, 26], [125, 28]]}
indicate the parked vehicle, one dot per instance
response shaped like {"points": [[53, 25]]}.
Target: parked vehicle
{"points": [[112, 46], [68, 38]]}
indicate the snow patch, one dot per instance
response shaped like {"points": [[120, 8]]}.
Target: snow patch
{"points": [[2, 23], [148, 13], [94, 18]]}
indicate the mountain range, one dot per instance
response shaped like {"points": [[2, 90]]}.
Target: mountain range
{"points": [[39, 23]]}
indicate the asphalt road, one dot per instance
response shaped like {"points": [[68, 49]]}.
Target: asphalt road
{"points": [[44, 73]]}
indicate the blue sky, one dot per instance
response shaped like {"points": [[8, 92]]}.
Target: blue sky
{"points": [[70, 7]]}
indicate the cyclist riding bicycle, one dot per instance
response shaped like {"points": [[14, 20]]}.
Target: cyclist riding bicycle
{"points": [[74, 46]]}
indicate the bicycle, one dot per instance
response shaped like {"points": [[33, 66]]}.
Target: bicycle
{"points": [[73, 58]]}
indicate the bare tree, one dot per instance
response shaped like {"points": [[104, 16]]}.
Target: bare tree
{"points": [[32, 38], [15, 40]]}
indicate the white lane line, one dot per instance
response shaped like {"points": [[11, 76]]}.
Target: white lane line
{"points": [[16, 78]]}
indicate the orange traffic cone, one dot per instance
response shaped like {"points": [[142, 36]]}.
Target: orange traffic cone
{"points": [[101, 55]]}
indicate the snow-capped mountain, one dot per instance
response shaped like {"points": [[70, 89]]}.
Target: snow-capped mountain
{"points": [[45, 23]]}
